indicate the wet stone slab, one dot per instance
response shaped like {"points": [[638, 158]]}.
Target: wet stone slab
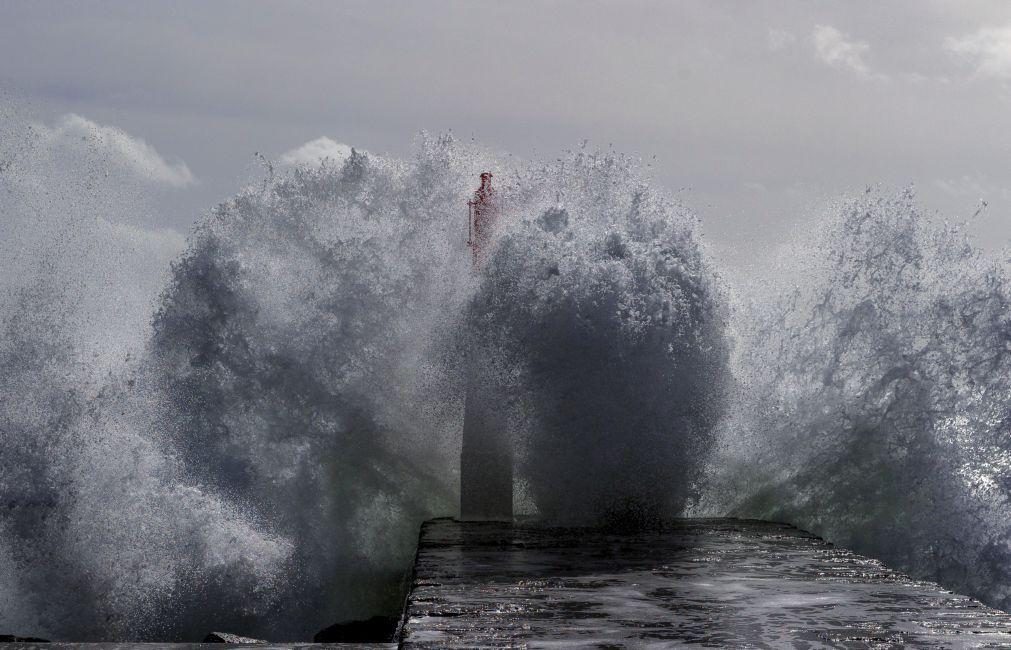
{"points": [[704, 582]]}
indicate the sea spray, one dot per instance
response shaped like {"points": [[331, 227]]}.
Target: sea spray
{"points": [[610, 323], [315, 336], [100, 528], [872, 406], [302, 344], [249, 438], [255, 450]]}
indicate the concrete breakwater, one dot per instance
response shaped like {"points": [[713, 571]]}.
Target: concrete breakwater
{"points": [[696, 582], [703, 582]]}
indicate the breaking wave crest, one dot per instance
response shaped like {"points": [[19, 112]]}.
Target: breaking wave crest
{"points": [[249, 439], [243, 431], [873, 397], [611, 326]]}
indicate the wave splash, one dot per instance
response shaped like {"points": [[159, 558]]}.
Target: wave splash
{"points": [[247, 437], [873, 397], [610, 323], [252, 440]]}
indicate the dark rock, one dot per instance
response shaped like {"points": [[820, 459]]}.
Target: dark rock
{"points": [[10, 638], [378, 629], [225, 637]]}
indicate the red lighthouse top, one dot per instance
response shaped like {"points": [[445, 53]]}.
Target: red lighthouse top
{"points": [[482, 217]]}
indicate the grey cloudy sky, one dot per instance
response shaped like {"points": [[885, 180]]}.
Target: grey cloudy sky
{"points": [[765, 110]]}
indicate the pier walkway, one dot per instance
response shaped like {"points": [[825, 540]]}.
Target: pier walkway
{"points": [[701, 583]]}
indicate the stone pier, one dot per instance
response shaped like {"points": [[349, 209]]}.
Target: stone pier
{"points": [[701, 582]]}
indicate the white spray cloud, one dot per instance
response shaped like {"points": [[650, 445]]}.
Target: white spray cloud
{"points": [[834, 48], [133, 153], [314, 151], [75, 196], [989, 49], [80, 277]]}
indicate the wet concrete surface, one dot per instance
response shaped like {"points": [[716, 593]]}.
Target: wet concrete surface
{"points": [[699, 583]]}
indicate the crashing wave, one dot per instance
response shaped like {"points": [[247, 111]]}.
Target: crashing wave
{"points": [[256, 450], [873, 403]]}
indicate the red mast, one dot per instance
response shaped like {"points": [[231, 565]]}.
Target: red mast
{"points": [[482, 215], [486, 459]]}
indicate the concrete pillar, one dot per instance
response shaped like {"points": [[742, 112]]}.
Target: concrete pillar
{"points": [[486, 459]]}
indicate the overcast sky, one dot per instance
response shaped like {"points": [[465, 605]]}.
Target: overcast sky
{"points": [[763, 110]]}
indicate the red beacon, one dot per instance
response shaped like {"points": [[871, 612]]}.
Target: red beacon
{"points": [[481, 219]]}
